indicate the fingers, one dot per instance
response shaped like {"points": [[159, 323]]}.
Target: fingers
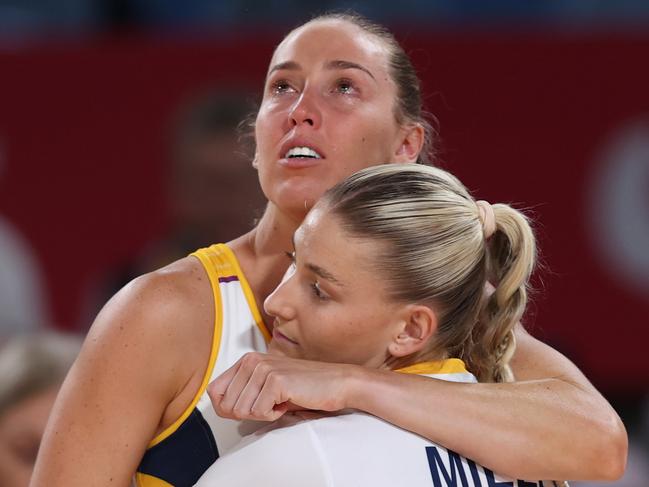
{"points": [[272, 400], [225, 390], [216, 389], [264, 387], [255, 390], [219, 385], [235, 392]]}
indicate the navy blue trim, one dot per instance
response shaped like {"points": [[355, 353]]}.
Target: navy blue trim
{"points": [[185, 455]]}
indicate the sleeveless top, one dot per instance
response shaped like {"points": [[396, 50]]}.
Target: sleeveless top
{"points": [[181, 453]]}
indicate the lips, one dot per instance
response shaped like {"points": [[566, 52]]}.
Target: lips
{"points": [[278, 335], [302, 152], [297, 153]]}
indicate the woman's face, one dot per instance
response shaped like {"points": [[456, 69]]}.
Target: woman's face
{"points": [[327, 112], [331, 306]]}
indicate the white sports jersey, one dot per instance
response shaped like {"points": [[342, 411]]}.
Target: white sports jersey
{"points": [[351, 449]]}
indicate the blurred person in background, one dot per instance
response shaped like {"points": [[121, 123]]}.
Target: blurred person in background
{"points": [[340, 95], [32, 368], [23, 303], [212, 188], [22, 297], [211, 192]]}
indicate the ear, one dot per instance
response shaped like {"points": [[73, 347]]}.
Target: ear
{"points": [[411, 142], [255, 162], [418, 325]]}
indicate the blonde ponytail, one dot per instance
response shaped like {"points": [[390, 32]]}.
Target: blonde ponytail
{"points": [[441, 248], [511, 254]]}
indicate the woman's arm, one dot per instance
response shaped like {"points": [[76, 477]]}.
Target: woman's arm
{"points": [[551, 424], [129, 380]]}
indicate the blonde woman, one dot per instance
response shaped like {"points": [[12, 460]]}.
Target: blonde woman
{"points": [[389, 273]]}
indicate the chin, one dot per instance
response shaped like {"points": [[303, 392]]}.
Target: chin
{"points": [[298, 203], [276, 349], [309, 183]]}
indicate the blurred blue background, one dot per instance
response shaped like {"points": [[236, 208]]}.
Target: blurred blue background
{"points": [[78, 18]]}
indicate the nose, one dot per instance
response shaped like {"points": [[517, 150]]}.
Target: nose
{"points": [[278, 303], [305, 110]]}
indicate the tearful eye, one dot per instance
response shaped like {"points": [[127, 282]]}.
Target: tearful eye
{"points": [[280, 87], [345, 87]]}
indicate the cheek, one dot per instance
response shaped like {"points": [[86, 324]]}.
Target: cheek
{"points": [[262, 160], [381, 142], [373, 146], [340, 335], [368, 328], [261, 142], [322, 327], [267, 127]]}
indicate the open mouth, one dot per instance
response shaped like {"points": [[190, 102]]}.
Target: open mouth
{"points": [[302, 152]]}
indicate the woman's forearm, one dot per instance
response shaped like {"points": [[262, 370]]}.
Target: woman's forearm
{"points": [[551, 424], [556, 427]]}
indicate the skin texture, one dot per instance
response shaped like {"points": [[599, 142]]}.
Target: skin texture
{"points": [[147, 351]]}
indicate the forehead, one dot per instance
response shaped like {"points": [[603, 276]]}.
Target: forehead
{"points": [[321, 240], [327, 40]]}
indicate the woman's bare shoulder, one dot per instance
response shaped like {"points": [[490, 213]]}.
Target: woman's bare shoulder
{"points": [[171, 308], [140, 365]]}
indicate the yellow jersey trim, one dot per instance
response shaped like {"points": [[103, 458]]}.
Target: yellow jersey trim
{"points": [[144, 480], [216, 342], [252, 304], [448, 366]]}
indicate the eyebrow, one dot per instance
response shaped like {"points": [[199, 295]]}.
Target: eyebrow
{"points": [[335, 64], [341, 64], [319, 271], [290, 65]]}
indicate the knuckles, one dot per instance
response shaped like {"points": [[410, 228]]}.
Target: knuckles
{"points": [[251, 359], [240, 413], [274, 380], [264, 375]]}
